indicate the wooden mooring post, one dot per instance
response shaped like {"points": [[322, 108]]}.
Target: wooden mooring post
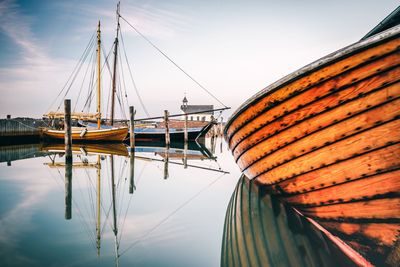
{"points": [[68, 159], [185, 144], [167, 137], [67, 128], [132, 145]]}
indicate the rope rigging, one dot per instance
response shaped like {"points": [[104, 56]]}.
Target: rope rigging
{"points": [[172, 61], [133, 81], [74, 72]]}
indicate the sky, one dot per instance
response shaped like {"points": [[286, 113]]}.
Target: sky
{"points": [[233, 48]]}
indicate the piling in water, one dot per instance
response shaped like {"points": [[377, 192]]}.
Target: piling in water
{"points": [[67, 128], [167, 137]]}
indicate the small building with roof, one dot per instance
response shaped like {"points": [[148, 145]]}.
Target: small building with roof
{"points": [[197, 112]]}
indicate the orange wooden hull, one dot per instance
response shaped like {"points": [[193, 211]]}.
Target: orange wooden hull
{"points": [[326, 139], [100, 135]]}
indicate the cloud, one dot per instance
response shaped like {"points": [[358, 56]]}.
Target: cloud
{"points": [[17, 27]]}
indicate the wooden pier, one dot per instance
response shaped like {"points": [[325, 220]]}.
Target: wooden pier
{"points": [[14, 129]]}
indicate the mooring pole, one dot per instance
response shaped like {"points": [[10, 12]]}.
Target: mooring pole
{"points": [[132, 145], [185, 144], [132, 128], [68, 159], [67, 128], [167, 137]]}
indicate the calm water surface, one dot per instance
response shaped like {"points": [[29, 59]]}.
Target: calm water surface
{"points": [[173, 221], [107, 210]]}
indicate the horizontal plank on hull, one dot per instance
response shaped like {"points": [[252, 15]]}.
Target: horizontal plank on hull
{"points": [[387, 208], [325, 136], [370, 163], [289, 165], [345, 101], [370, 187], [311, 78], [354, 107], [374, 72], [377, 233]]}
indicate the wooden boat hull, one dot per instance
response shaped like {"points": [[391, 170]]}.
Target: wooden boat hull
{"points": [[327, 138], [91, 135], [261, 231]]}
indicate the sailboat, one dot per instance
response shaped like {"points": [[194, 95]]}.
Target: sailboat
{"points": [[88, 133]]}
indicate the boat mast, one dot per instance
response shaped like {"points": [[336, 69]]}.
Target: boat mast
{"points": [[114, 70], [98, 78]]}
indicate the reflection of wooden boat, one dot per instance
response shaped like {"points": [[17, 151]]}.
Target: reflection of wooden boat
{"points": [[90, 133], [327, 138], [98, 149], [261, 231]]}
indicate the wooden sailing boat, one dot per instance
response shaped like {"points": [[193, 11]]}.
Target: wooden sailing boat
{"points": [[327, 137], [111, 134]]}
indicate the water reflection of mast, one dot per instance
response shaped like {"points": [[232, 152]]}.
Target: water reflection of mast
{"points": [[115, 228], [98, 224]]}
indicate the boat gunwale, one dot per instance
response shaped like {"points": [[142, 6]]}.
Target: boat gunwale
{"points": [[331, 58]]}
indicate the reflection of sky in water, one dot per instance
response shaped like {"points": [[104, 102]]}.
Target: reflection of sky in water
{"points": [[173, 222]]}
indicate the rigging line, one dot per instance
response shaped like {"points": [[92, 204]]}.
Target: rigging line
{"points": [[80, 216], [92, 95], [75, 75], [173, 62], [123, 173], [120, 98], [89, 44], [172, 213], [123, 79], [130, 200], [111, 75], [83, 81], [91, 86], [84, 203], [133, 81]]}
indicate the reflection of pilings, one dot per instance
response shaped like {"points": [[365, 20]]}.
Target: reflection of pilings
{"points": [[132, 172], [132, 144], [178, 163], [213, 144], [166, 174], [68, 137], [68, 189]]}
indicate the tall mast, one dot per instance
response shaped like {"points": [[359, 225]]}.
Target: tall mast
{"points": [[114, 70], [98, 78]]}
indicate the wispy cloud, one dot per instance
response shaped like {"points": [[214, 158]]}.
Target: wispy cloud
{"points": [[158, 22], [17, 27]]}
